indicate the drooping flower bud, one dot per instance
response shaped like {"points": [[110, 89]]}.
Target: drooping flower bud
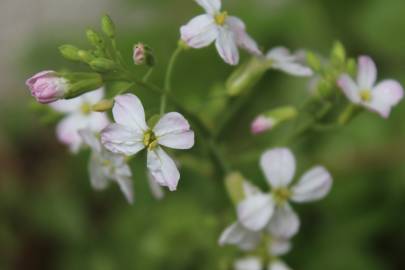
{"points": [[143, 55], [47, 86], [272, 118]]}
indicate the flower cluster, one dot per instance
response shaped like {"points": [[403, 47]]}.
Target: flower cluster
{"points": [[265, 220]]}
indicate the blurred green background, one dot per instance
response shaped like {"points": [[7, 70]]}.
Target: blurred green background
{"points": [[50, 218]]}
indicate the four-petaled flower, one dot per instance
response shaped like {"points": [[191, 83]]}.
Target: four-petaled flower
{"points": [[130, 134], [79, 116], [379, 98], [282, 59], [272, 210], [105, 166], [228, 32]]}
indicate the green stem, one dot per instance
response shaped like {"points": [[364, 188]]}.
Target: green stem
{"points": [[147, 75], [168, 78]]}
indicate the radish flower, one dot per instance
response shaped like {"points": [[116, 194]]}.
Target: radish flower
{"points": [[130, 134], [228, 32], [272, 211], [282, 59], [105, 166], [379, 98], [79, 115]]}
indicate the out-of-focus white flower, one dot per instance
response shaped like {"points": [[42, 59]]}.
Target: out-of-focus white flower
{"points": [[365, 92], [228, 32], [272, 210], [79, 115], [130, 134], [105, 166], [277, 265], [282, 59], [248, 263]]}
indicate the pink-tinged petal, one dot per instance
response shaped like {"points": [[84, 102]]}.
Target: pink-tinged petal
{"points": [[261, 124], [350, 89], [248, 263], [294, 69], [278, 166], [284, 223], [367, 72], [279, 246], [280, 54], [249, 189], [255, 211], [90, 139], [237, 235], [210, 6], [46, 73], [97, 121], [155, 188], [128, 111], [385, 95], [199, 32], [94, 96], [121, 139], [125, 184], [98, 179], [243, 40], [226, 46], [67, 131], [47, 86], [173, 131], [163, 169], [67, 105], [313, 185], [278, 265]]}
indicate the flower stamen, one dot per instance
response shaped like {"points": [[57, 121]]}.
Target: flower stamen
{"points": [[365, 95], [220, 18], [281, 195], [85, 108], [150, 140]]}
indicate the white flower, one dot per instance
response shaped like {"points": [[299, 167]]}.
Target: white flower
{"points": [[105, 166], [130, 134], [248, 263], [79, 116], [379, 97], [272, 210], [228, 32], [283, 60]]}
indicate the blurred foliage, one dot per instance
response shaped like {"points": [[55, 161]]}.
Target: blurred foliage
{"points": [[50, 218]]}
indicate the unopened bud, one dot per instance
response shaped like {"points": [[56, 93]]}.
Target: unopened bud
{"points": [[108, 27], [338, 54], [102, 64], [82, 82], [272, 118], [70, 52], [94, 38], [143, 55], [313, 61], [234, 186], [85, 56], [103, 105], [351, 66], [47, 86]]}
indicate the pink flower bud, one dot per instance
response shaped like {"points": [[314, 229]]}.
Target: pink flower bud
{"points": [[47, 86], [139, 54], [261, 124]]}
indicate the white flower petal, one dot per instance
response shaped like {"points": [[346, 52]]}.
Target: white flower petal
{"points": [[367, 73], [200, 32], [243, 40], [67, 105], [248, 263], [350, 89], [280, 54], [278, 265], [173, 131], [121, 139], [125, 184], [67, 131], [98, 179], [284, 223], [90, 139], [255, 211], [210, 6], [226, 46], [385, 95], [93, 97], [313, 185], [295, 69], [128, 111], [249, 189], [238, 235], [278, 166], [163, 169], [155, 188], [279, 246]]}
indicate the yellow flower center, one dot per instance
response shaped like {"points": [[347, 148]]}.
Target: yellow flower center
{"points": [[281, 195], [365, 95], [150, 140], [85, 108], [220, 18]]}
